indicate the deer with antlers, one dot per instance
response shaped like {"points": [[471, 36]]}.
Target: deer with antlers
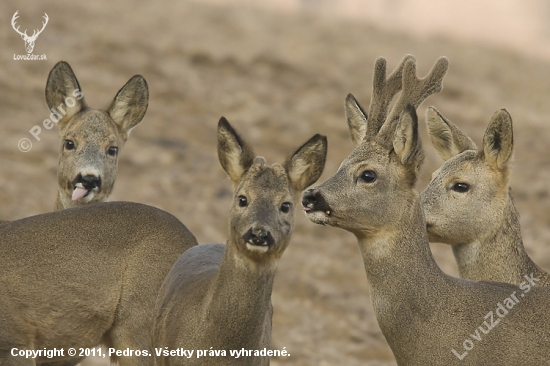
{"points": [[427, 317], [29, 41]]}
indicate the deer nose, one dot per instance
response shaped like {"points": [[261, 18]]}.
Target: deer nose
{"points": [[313, 200], [258, 236], [88, 181], [309, 198]]}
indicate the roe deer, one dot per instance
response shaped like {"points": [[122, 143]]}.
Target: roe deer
{"points": [[427, 317], [85, 276], [219, 295], [90, 138], [468, 204]]}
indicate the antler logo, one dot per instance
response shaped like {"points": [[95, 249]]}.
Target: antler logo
{"points": [[29, 41]]}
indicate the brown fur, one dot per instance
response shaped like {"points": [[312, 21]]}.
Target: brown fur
{"points": [[84, 276], [220, 296], [93, 132], [482, 224], [96, 136], [422, 312]]}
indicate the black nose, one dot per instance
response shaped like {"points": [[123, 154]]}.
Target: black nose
{"points": [[313, 200], [88, 181], [309, 198], [258, 236]]}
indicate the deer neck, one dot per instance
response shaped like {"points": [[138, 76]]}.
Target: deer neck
{"points": [[402, 274], [500, 256], [239, 298], [399, 256]]}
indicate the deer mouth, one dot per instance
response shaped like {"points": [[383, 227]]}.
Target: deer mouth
{"points": [[85, 187], [258, 240], [79, 192]]}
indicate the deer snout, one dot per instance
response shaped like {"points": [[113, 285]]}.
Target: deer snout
{"points": [[88, 182], [258, 236], [313, 200]]}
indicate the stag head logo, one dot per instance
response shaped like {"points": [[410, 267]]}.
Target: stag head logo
{"points": [[29, 41]]}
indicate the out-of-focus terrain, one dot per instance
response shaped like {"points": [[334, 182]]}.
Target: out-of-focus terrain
{"points": [[279, 75]]}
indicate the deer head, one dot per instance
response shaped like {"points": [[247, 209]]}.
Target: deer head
{"points": [[91, 138], [465, 201], [262, 214], [29, 41], [367, 193]]}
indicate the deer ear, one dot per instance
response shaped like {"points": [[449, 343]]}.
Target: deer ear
{"points": [[406, 142], [63, 93], [235, 155], [357, 120], [306, 165], [130, 104], [498, 142], [446, 138]]}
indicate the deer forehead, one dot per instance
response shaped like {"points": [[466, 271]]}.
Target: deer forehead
{"points": [[265, 180], [467, 163], [369, 154], [93, 126]]}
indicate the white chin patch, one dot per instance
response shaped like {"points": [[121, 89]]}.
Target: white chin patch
{"points": [[89, 197], [318, 217], [257, 248]]}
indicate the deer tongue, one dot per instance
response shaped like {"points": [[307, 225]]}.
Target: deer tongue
{"points": [[78, 193]]}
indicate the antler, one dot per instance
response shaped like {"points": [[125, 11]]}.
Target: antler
{"points": [[383, 91], [35, 34], [416, 90], [13, 19]]}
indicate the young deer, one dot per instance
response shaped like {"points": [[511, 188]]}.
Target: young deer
{"points": [[468, 204], [427, 317], [85, 276], [90, 138], [219, 296]]}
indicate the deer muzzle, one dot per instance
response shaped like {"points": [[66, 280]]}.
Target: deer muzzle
{"points": [[83, 184], [313, 201], [259, 237]]}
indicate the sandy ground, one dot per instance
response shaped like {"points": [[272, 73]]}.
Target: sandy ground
{"points": [[279, 78]]}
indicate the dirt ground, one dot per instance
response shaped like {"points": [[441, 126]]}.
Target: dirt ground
{"points": [[278, 78]]}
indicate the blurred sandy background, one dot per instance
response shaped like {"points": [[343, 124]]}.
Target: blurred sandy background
{"points": [[279, 71]]}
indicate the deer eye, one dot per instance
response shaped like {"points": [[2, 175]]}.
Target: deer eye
{"points": [[113, 151], [461, 187], [368, 176], [285, 207], [69, 145], [242, 201]]}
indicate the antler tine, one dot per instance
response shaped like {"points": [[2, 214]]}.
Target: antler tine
{"points": [[13, 19], [416, 90], [43, 25], [432, 83], [383, 91]]}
